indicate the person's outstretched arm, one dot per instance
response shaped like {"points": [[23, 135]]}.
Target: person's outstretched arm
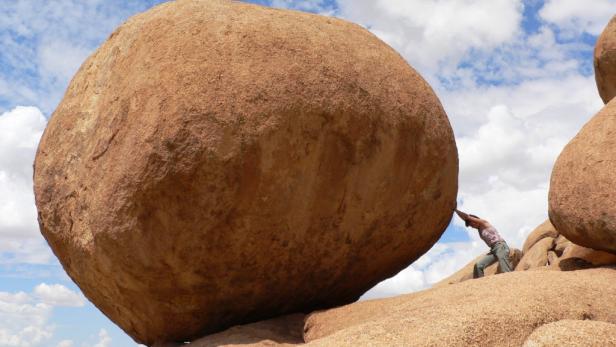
{"points": [[477, 222]]}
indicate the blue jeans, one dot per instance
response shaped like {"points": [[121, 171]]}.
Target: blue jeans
{"points": [[500, 253]]}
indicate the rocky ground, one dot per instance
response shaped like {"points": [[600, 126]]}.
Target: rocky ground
{"points": [[531, 307]]}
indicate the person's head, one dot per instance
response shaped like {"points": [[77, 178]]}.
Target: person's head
{"points": [[473, 222]]}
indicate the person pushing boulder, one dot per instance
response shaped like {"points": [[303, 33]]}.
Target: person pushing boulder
{"points": [[499, 251]]}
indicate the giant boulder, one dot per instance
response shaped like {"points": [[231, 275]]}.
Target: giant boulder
{"points": [[583, 184], [545, 229], [215, 163], [605, 62]]}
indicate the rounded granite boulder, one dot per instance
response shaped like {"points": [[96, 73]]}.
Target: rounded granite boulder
{"points": [[583, 184], [215, 163], [605, 62]]}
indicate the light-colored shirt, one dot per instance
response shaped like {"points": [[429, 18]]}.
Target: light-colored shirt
{"points": [[490, 236]]}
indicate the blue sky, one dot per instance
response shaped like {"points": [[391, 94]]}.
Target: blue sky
{"points": [[515, 78]]}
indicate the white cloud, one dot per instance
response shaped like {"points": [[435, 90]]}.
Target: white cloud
{"points": [[441, 261], [23, 322], [25, 318], [104, 339], [431, 33], [576, 17], [508, 140], [58, 295], [20, 131]]}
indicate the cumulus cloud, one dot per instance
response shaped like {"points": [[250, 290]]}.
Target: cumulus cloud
{"points": [[104, 339], [25, 318], [20, 241], [442, 260], [58, 295], [576, 17], [434, 34], [23, 323]]}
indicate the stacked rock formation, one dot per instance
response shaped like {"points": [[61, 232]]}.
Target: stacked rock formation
{"points": [[583, 185], [544, 249], [215, 163]]}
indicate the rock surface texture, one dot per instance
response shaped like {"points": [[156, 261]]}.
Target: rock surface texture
{"points": [[583, 184], [282, 331], [215, 163], [605, 62], [573, 333]]}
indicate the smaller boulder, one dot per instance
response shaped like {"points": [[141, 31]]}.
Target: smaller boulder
{"points": [[537, 255], [560, 244], [546, 229], [576, 257], [583, 185], [552, 257]]}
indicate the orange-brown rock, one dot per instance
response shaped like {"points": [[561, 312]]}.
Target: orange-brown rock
{"points": [[282, 331], [537, 255], [498, 310], [583, 185], [215, 163], [605, 62], [466, 273], [546, 229], [577, 257], [570, 332], [560, 244]]}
